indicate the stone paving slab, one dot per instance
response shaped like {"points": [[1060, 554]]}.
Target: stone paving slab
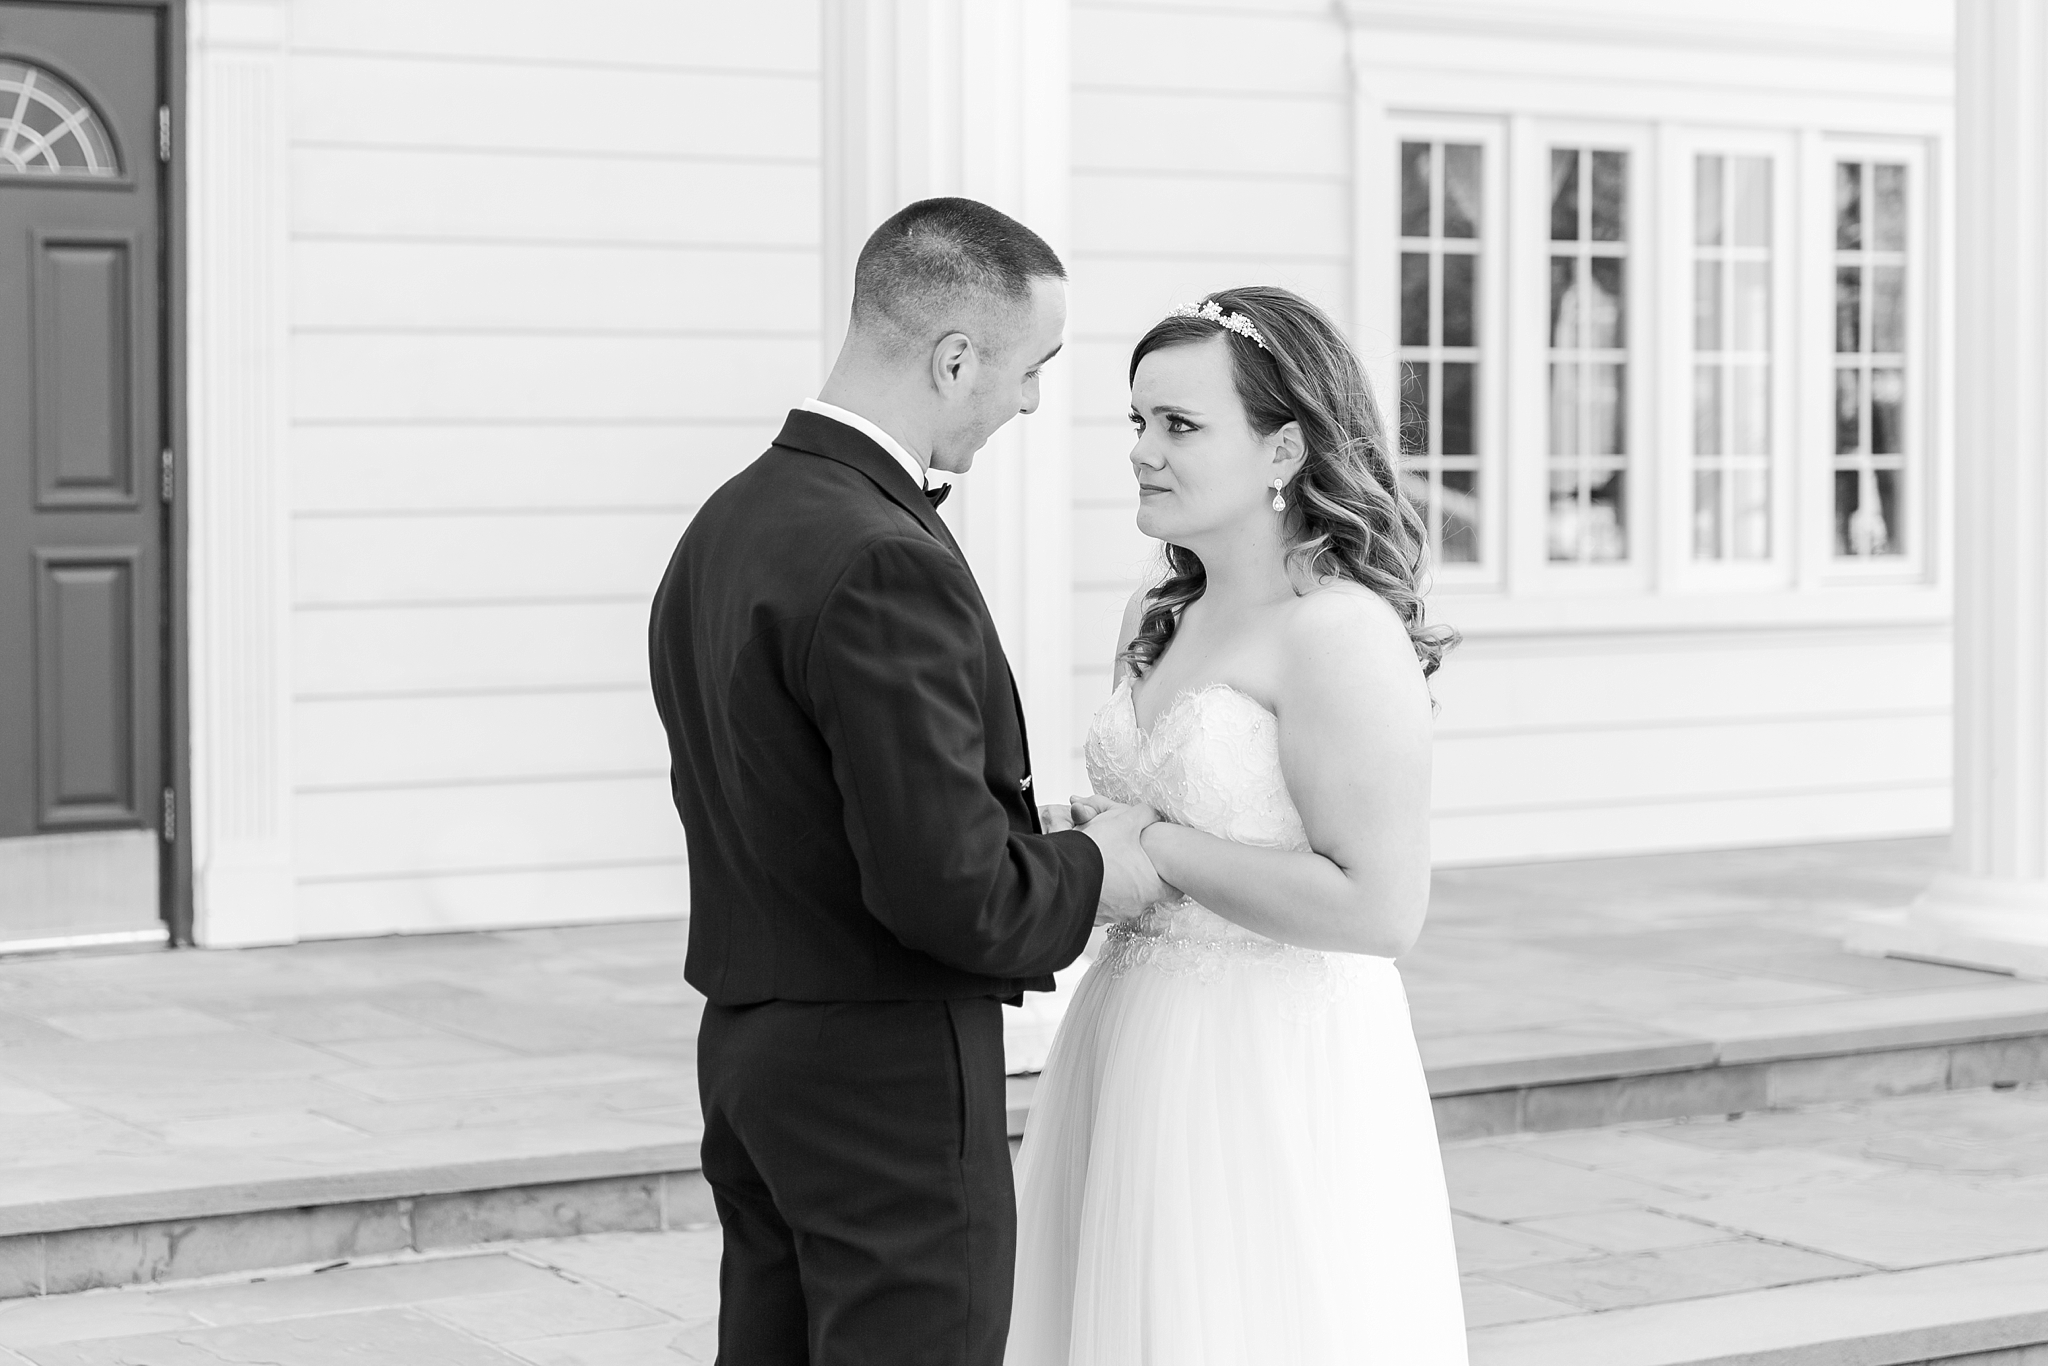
{"points": [[618, 1299], [1577, 1248], [148, 1086], [1569, 1240]]}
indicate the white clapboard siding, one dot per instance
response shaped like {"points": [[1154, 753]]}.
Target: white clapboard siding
{"points": [[1494, 687], [553, 281], [521, 197], [468, 648], [1250, 49], [470, 557], [1109, 550], [521, 286], [486, 826], [1169, 10], [1207, 134], [1098, 615], [477, 901], [1623, 764], [1102, 393], [1117, 298], [1101, 457], [1680, 79], [363, 742], [1117, 212], [606, 111], [1807, 817], [761, 35], [495, 377], [652, 466]]}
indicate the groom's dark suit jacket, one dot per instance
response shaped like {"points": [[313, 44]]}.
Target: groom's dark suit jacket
{"points": [[847, 750]]}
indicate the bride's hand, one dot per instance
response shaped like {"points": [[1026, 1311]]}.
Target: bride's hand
{"points": [[1055, 818], [1086, 809]]}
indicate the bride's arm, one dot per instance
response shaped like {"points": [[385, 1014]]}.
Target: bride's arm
{"points": [[1354, 746]]}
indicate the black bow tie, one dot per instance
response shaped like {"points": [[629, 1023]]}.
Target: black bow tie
{"points": [[938, 495]]}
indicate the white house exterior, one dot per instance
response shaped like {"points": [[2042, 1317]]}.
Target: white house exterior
{"points": [[477, 299]]}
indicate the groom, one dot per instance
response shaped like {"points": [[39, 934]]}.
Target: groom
{"points": [[869, 875]]}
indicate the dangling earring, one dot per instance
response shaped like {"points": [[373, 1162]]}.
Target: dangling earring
{"points": [[1279, 503]]}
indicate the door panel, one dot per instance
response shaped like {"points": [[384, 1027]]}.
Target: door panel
{"points": [[86, 629], [85, 392], [82, 523]]}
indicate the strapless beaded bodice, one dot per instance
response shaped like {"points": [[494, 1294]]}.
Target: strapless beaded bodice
{"points": [[1210, 762]]}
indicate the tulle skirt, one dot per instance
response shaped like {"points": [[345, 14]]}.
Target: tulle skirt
{"points": [[1231, 1160]]}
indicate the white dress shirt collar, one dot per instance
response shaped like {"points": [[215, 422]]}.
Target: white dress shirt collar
{"points": [[912, 466]]}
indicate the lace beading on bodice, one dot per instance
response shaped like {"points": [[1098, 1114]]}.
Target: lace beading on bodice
{"points": [[1210, 762]]}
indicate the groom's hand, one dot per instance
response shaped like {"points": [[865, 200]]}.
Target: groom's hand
{"points": [[1129, 881], [1055, 818]]}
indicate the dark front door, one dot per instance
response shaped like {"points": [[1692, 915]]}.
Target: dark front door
{"points": [[81, 433]]}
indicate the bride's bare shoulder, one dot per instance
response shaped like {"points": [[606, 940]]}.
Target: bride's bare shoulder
{"points": [[1345, 636]]}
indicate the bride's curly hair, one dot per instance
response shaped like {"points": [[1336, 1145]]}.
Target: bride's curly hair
{"points": [[1347, 516]]}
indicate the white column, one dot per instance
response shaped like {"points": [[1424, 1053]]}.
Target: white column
{"points": [[236, 169], [970, 97], [1991, 908]]}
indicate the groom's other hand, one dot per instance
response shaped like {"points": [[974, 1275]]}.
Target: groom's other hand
{"points": [[1129, 881]]}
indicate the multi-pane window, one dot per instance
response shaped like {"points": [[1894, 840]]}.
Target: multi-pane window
{"points": [[1870, 358], [1440, 263], [1588, 340], [1731, 343]]}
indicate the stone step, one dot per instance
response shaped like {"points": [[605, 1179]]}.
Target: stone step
{"points": [[179, 1232], [1729, 1062], [1988, 1312], [147, 1226]]}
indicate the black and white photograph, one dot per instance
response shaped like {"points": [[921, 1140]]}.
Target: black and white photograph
{"points": [[1024, 683]]}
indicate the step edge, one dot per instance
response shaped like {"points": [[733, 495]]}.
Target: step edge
{"points": [[1576, 1339], [1501, 1075], [344, 1188]]}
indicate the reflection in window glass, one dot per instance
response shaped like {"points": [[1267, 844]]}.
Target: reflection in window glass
{"points": [[1461, 190], [1588, 519], [1872, 414], [1731, 516], [1442, 219]]}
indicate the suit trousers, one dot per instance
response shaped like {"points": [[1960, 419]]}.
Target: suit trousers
{"points": [[859, 1156]]}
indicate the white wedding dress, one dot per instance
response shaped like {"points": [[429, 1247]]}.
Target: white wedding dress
{"points": [[1231, 1159]]}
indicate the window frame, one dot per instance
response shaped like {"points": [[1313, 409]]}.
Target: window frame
{"points": [[1490, 299], [1535, 573], [1920, 486], [1679, 570]]}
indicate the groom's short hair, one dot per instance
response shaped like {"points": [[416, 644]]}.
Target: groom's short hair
{"points": [[947, 265]]}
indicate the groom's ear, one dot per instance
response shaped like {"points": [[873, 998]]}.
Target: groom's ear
{"points": [[953, 362]]}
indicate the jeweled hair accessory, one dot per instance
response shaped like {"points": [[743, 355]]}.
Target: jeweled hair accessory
{"points": [[1234, 322]]}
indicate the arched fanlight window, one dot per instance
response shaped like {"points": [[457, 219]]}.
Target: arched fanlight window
{"points": [[47, 128]]}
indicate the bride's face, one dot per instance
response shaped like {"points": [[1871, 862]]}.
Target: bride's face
{"points": [[1200, 466]]}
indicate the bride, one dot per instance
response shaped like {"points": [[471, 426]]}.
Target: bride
{"points": [[1231, 1158]]}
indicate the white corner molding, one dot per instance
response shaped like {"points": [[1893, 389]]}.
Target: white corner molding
{"points": [[237, 170], [970, 97], [1991, 908]]}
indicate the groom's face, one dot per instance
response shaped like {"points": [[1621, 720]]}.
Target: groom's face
{"points": [[1006, 382]]}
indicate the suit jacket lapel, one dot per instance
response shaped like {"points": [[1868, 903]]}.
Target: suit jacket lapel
{"points": [[816, 434]]}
